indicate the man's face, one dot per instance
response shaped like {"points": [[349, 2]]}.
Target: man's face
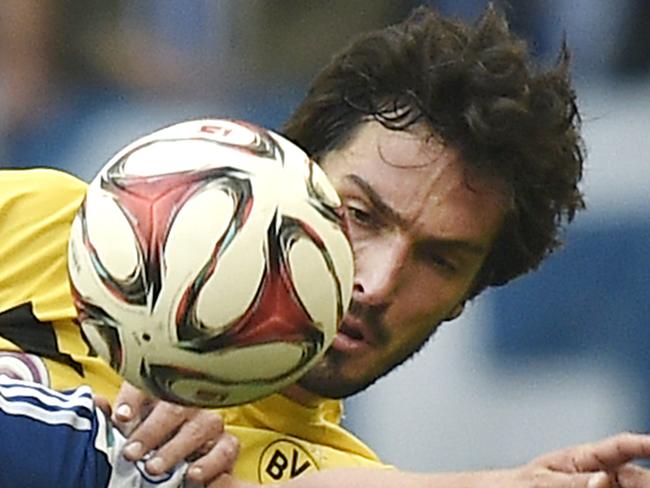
{"points": [[420, 227]]}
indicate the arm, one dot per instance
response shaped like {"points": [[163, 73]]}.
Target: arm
{"points": [[374, 478], [594, 465], [49, 437], [603, 464], [379, 478]]}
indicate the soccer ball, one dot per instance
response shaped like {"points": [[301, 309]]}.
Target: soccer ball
{"points": [[208, 264]]}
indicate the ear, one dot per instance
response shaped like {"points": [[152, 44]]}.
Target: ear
{"points": [[455, 312]]}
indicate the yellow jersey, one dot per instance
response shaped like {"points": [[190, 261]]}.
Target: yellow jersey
{"points": [[36, 310], [40, 341], [281, 439]]}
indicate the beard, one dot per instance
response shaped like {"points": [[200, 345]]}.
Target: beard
{"points": [[328, 377], [325, 379]]}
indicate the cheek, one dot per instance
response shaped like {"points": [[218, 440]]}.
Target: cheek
{"points": [[426, 295], [368, 251], [408, 333]]}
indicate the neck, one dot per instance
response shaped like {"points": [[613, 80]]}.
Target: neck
{"points": [[300, 395]]}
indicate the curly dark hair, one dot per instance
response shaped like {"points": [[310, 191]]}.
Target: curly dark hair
{"points": [[477, 89]]}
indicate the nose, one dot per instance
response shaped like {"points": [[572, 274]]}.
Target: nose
{"points": [[379, 267]]}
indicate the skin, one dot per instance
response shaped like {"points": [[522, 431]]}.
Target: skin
{"points": [[176, 433], [601, 464], [421, 225]]}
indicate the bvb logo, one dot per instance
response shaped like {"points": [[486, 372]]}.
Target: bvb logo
{"points": [[282, 460]]}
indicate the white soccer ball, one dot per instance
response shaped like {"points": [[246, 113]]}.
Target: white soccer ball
{"points": [[208, 264]]}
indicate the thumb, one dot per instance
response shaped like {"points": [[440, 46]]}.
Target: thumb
{"points": [[596, 479], [599, 480]]}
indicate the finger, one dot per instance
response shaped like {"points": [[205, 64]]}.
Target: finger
{"points": [[131, 404], [556, 479], [217, 461], [103, 404], [612, 452], [597, 480], [159, 426], [201, 428], [632, 476], [604, 455]]}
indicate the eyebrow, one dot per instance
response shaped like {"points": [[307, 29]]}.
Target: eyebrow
{"points": [[391, 214], [382, 207]]}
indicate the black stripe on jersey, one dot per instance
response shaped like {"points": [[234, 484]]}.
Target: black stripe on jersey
{"points": [[20, 326]]}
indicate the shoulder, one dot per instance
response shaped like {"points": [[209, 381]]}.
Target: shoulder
{"points": [[35, 195], [37, 208], [66, 429], [21, 182], [42, 424], [74, 408]]}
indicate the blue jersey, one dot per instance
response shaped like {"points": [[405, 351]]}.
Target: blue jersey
{"points": [[50, 438]]}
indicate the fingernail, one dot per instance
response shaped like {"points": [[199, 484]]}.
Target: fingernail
{"points": [[123, 411], [598, 480], [133, 450], [155, 466], [195, 473]]}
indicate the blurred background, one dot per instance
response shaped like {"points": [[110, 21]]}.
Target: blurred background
{"points": [[559, 357]]}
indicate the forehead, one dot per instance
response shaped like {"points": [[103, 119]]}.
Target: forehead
{"points": [[424, 181]]}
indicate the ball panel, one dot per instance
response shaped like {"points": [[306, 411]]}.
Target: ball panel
{"points": [[308, 266], [324, 231], [229, 377], [319, 188], [105, 340], [170, 157], [109, 232], [223, 297], [183, 271], [90, 283]]}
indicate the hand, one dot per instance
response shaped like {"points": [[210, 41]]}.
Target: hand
{"points": [[175, 433], [632, 476], [601, 464]]}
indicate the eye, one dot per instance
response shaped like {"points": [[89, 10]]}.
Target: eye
{"points": [[444, 263], [437, 259], [361, 217]]}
